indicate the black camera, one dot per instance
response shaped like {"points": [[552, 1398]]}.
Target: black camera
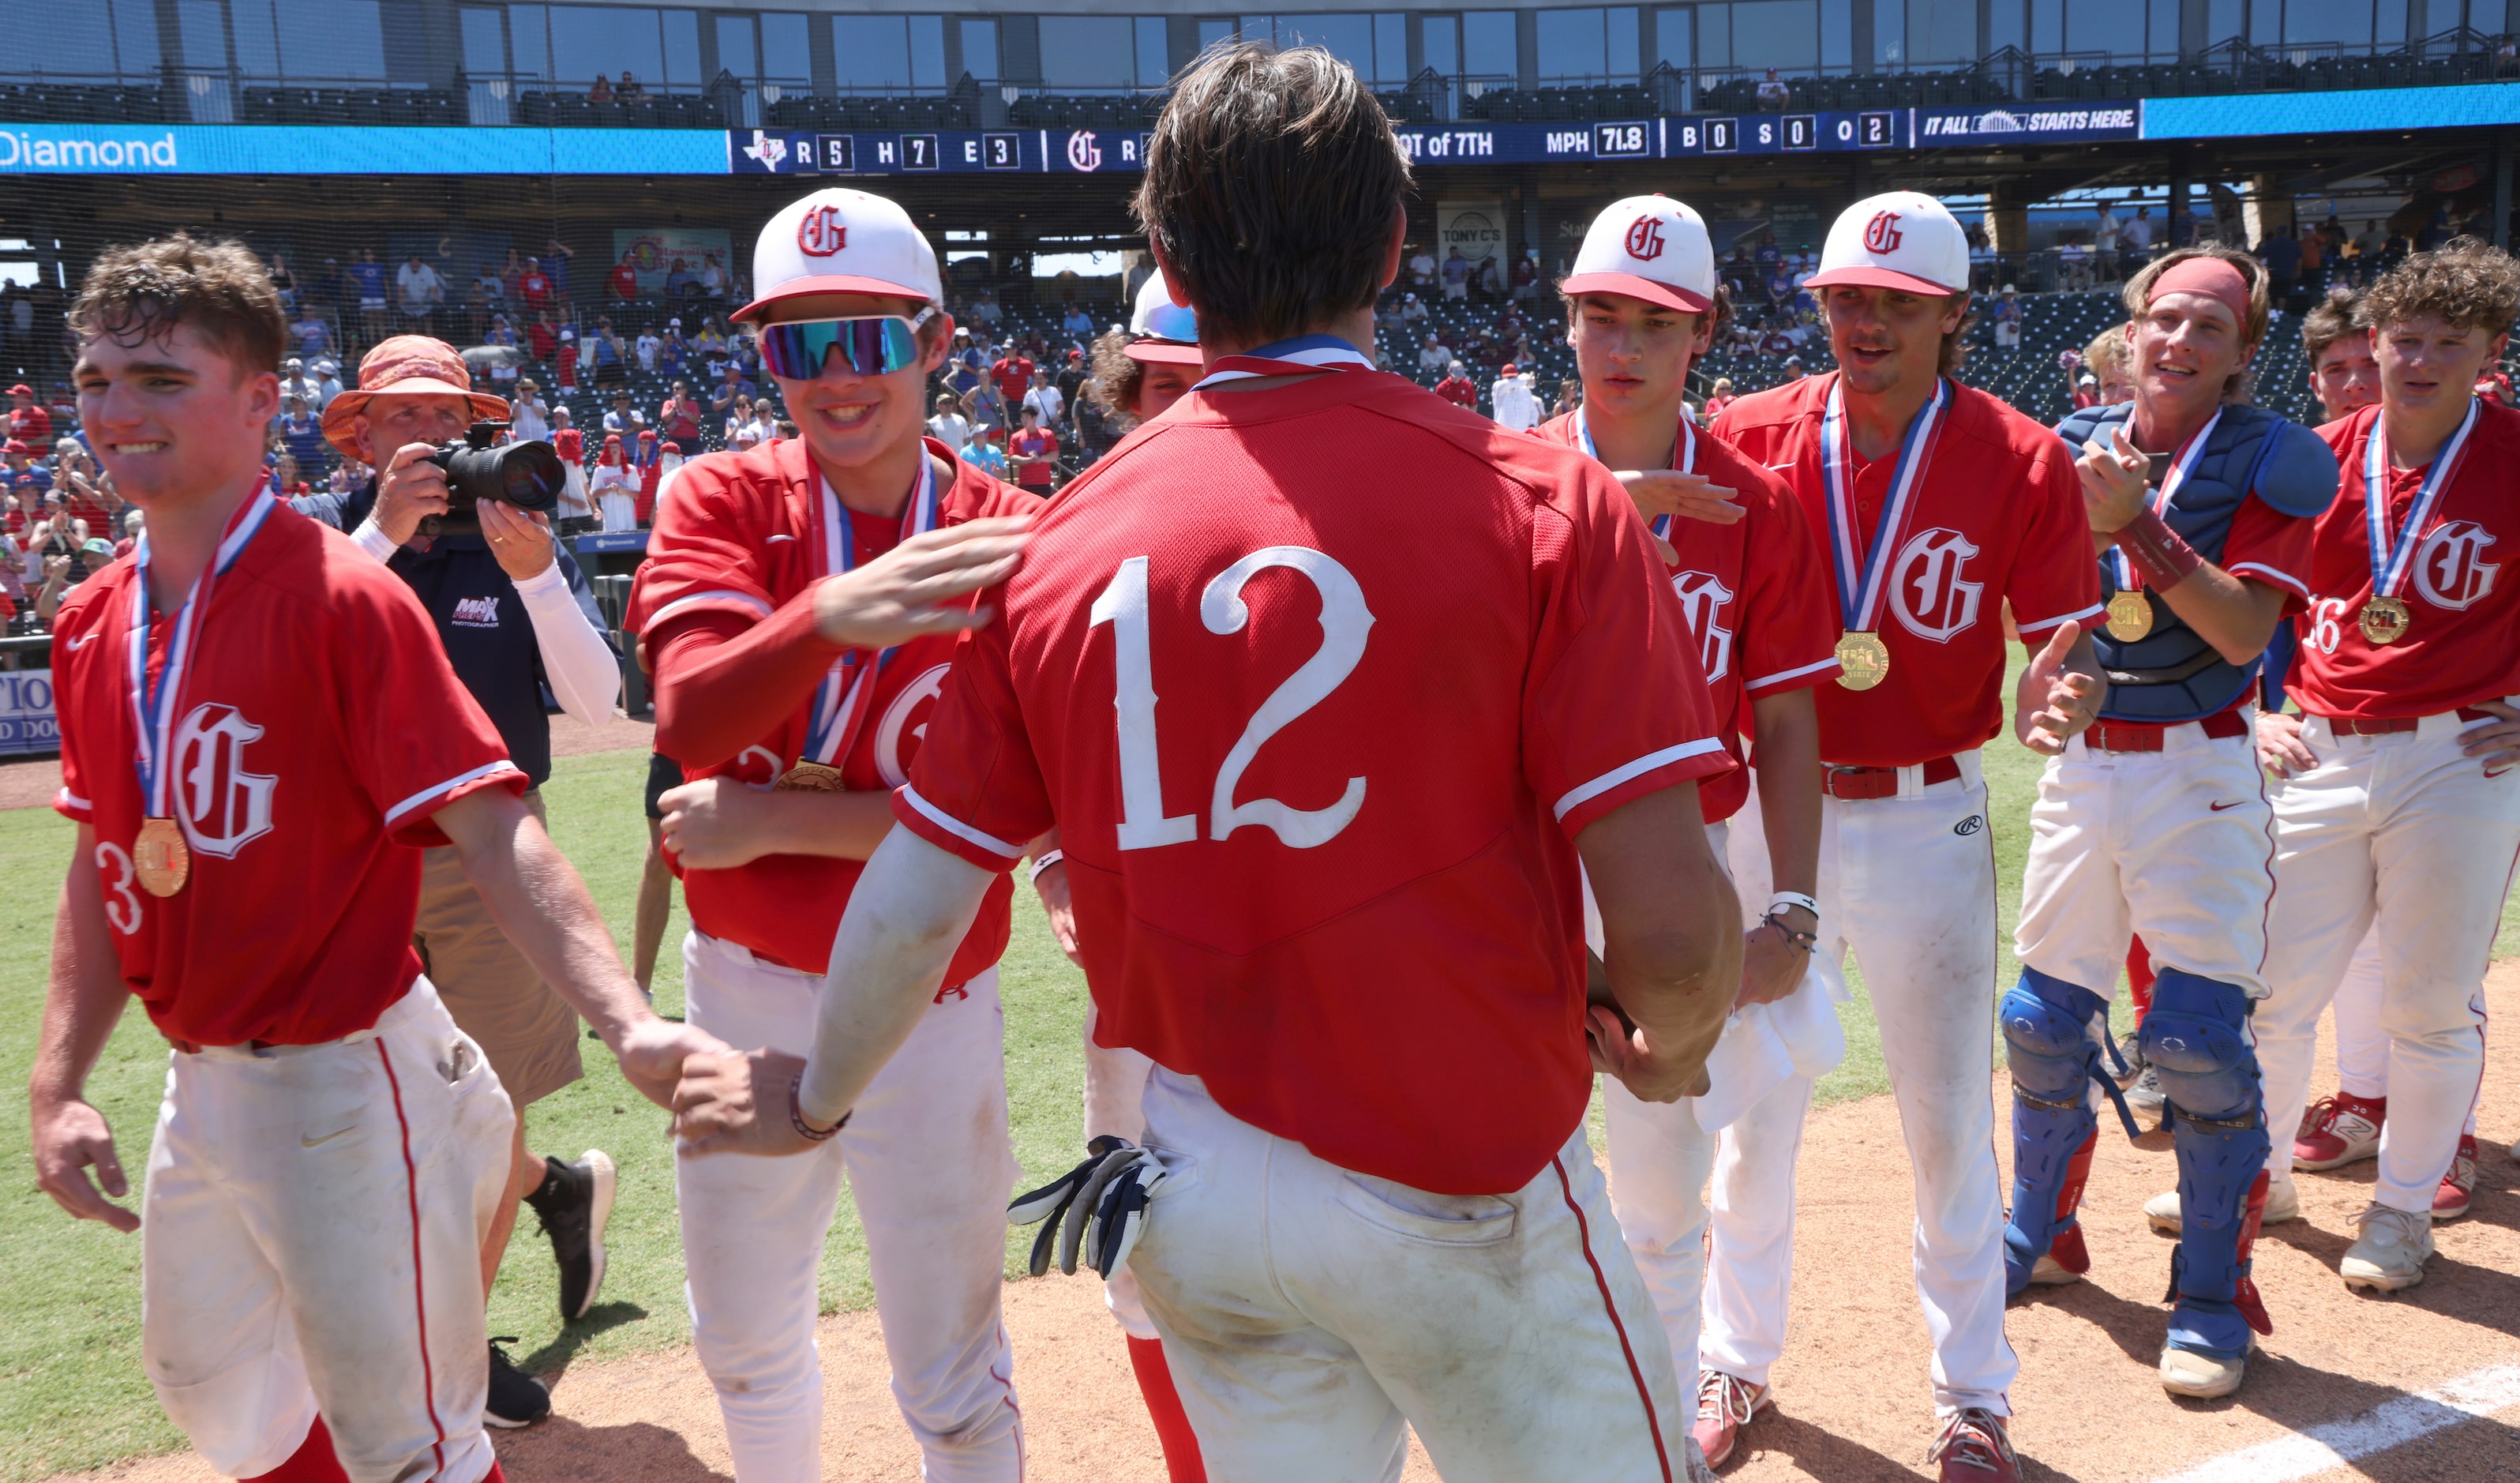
{"points": [[528, 475]]}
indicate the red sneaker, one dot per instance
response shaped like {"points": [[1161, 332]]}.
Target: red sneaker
{"points": [[2458, 1186], [1975, 1448], [1726, 1402], [2339, 1129]]}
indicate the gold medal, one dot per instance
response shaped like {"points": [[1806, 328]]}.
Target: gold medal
{"points": [[811, 777], [2129, 616], [159, 857], [1864, 659], [2384, 620]]}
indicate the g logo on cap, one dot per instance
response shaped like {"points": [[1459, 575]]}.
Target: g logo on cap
{"points": [[821, 232], [1644, 238], [1881, 233]]}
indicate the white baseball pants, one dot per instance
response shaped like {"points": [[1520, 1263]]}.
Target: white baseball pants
{"points": [[1307, 1310], [1908, 885], [2177, 844], [926, 1154], [312, 1241], [2403, 832], [2362, 1044]]}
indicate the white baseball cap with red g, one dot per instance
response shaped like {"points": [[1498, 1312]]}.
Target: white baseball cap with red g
{"points": [[1897, 240], [1651, 248], [839, 241]]}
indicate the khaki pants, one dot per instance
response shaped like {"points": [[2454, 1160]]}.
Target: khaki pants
{"points": [[529, 1033]]}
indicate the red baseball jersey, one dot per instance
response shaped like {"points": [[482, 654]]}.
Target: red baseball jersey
{"points": [[2459, 643], [1997, 514], [1755, 595], [735, 549], [1319, 682], [318, 730]]}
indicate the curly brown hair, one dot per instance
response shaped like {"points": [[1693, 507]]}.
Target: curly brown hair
{"points": [[2331, 322], [135, 295], [2462, 282], [1116, 378]]}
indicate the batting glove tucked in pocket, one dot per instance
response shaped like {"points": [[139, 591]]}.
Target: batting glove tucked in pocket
{"points": [[1101, 1205]]}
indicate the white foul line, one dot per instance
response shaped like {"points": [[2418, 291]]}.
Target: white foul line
{"points": [[2317, 1449]]}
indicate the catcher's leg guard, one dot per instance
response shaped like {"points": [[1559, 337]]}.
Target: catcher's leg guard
{"points": [[2197, 1038], [2048, 1043]]}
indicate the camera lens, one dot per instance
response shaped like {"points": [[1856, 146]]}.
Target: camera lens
{"points": [[530, 475]]}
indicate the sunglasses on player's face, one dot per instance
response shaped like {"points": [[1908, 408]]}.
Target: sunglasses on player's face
{"points": [[798, 350]]}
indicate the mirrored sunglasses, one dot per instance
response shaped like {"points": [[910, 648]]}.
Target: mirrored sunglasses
{"points": [[800, 350]]}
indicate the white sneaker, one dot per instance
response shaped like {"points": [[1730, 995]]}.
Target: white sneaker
{"points": [[2186, 1372], [2048, 1272], [2391, 1251], [2283, 1203]]}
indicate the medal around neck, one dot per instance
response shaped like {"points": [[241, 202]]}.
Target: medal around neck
{"points": [[1863, 660], [161, 858], [811, 777], [1863, 570], [2130, 613], [2129, 616], [2384, 620]]}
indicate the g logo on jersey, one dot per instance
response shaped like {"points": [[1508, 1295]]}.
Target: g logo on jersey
{"points": [[1644, 238], [224, 807], [1703, 599], [2450, 571], [896, 723], [1926, 591]]}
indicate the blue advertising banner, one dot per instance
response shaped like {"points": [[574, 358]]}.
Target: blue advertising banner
{"points": [[195, 149], [2369, 110], [26, 722]]}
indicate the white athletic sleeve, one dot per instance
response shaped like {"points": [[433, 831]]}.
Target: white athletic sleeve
{"points": [[580, 666]]}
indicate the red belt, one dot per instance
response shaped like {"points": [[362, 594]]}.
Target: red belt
{"points": [[2146, 736], [1859, 783], [2346, 726]]}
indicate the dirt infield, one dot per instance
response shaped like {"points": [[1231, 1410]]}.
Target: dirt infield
{"points": [[1852, 1397]]}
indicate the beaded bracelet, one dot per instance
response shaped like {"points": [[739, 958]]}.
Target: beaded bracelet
{"points": [[796, 1114]]}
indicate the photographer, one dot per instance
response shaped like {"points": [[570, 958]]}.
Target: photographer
{"points": [[514, 612]]}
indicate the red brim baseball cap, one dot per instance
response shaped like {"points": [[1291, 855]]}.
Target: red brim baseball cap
{"points": [[1163, 353], [1880, 278], [1635, 286], [838, 283]]}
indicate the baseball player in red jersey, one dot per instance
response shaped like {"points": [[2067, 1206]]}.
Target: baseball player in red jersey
{"points": [[1642, 301], [2156, 819], [245, 774], [2408, 815], [1933, 504], [1328, 887], [800, 606]]}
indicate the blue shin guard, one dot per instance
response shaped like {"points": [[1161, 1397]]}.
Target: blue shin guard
{"points": [[2048, 1043], [2197, 1040]]}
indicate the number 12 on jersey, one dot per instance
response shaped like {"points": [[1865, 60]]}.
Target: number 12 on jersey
{"points": [[1345, 623]]}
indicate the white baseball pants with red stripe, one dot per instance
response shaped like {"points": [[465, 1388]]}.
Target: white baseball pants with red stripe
{"points": [[1308, 1311], [312, 1241], [2361, 1042], [2403, 831], [927, 1155], [1908, 885]]}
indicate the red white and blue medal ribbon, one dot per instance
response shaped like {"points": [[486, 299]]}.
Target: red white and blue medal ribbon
{"points": [[1861, 570], [1685, 459], [1301, 355], [152, 708], [2181, 467], [2392, 561], [847, 691]]}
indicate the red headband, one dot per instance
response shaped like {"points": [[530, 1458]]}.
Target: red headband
{"points": [[2212, 277]]}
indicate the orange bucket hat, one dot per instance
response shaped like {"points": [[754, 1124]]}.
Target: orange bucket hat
{"points": [[406, 365]]}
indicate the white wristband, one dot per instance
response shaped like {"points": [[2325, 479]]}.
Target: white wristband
{"points": [[1044, 861], [1783, 899]]}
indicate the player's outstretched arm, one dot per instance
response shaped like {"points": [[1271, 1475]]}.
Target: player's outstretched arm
{"points": [[82, 1004], [2059, 693], [535, 896], [905, 915], [1671, 930]]}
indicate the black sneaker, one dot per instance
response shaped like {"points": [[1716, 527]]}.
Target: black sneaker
{"points": [[516, 1399], [574, 1203]]}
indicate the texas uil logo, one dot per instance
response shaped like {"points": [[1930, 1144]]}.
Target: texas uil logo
{"points": [[2449, 568], [1644, 238], [822, 232], [224, 807], [1881, 233], [895, 724], [1926, 587], [1703, 599], [1083, 154]]}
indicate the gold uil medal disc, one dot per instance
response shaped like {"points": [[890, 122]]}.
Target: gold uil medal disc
{"points": [[2129, 616], [1864, 659], [159, 857], [811, 777], [2384, 620]]}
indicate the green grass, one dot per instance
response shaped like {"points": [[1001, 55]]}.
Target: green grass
{"points": [[71, 1391]]}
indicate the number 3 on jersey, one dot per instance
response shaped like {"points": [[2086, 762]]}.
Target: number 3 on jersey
{"points": [[1345, 623]]}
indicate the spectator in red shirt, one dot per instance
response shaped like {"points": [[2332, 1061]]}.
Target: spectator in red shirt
{"points": [[1458, 389], [1012, 374], [623, 284], [29, 423], [680, 417], [542, 337], [535, 288], [1035, 450]]}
